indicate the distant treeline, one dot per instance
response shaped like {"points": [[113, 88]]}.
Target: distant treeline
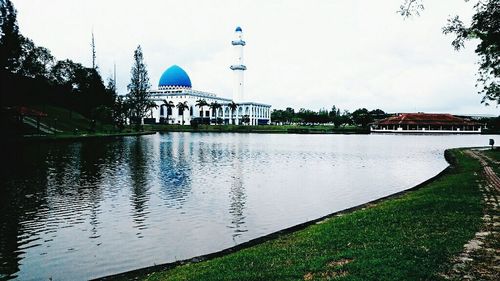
{"points": [[360, 117]]}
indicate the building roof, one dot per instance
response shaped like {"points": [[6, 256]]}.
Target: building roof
{"points": [[425, 119], [26, 111], [174, 76]]}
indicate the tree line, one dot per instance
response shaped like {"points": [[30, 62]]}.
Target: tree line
{"points": [[30, 74], [360, 117]]}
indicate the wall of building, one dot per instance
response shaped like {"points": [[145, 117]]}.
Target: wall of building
{"points": [[259, 114]]}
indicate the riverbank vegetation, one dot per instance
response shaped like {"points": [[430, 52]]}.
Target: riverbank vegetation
{"points": [[412, 237]]}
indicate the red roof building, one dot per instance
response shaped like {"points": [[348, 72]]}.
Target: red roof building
{"points": [[426, 123], [26, 111]]}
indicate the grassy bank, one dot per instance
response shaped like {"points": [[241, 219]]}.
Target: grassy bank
{"points": [[411, 237], [296, 129], [68, 125]]}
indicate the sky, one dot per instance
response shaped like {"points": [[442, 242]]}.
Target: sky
{"points": [[301, 54]]}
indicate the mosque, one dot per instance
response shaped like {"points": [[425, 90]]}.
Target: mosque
{"points": [[178, 103]]}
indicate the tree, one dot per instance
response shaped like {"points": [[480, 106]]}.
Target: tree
{"points": [[289, 114], [111, 87], [139, 96], [377, 114], [64, 72], [345, 118], [323, 116], [361, 117], [182, 106], [120, 112], [232, 106], [485, 26], [201, 103], [10, 38], [245, 119], [34, 61], [84, 86], [277, 115], [169, 105], [214, 106]]}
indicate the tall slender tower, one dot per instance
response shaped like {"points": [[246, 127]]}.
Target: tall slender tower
{"points": [[238, 67]]}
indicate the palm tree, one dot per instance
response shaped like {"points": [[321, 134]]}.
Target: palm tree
{"points": [[233, 107], [214, 106], [201, 103], [182, 106], [169, 105]]}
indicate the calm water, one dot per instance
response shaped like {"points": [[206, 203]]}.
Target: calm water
{"points": [[74, 211]]}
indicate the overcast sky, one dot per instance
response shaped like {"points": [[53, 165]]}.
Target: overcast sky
{"points": [[309, 54]]}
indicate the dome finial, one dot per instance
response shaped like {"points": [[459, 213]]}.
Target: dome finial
{"points": [[238, 29]]}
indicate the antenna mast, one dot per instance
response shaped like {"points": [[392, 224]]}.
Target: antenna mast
{"points": [[93, 51]]}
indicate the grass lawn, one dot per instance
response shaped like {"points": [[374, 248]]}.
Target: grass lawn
{"points": [[493, 153], [411, 237]]}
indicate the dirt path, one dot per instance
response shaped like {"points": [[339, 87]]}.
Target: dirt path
{"points": [[480, 259]]}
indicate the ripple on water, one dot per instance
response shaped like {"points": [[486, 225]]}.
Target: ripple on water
{"points": [[115, 205]]}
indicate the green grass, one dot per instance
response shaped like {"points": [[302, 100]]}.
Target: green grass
{"points": [[493, 153], [65, 120], [74, 125], [411, 237]]}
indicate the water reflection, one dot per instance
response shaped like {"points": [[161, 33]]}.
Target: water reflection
{"points": [[175, 167], [138, 165], [18, 203], [177, 195], [237, 194]]}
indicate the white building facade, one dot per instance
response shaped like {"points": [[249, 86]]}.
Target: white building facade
{"points": [[174, 89], [247, 113]]}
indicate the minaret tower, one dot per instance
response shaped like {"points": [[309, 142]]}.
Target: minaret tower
{"points": [[238, 67]]}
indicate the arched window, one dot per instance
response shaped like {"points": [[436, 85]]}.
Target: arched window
{"points": [[226, 112], [161, 111], [191, 110], [169, 111]]}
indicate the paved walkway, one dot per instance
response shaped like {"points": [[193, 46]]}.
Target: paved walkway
{"points": [[480, 259]]}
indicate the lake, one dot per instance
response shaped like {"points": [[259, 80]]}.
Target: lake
{"points": [[80, 210]]}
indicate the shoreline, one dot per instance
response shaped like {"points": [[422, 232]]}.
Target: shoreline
{"points": [[70, 137], [268, 129], [142, 272]]}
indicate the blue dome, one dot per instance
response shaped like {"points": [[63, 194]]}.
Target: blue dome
{"points": [[175, 76], [238, 29]]}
